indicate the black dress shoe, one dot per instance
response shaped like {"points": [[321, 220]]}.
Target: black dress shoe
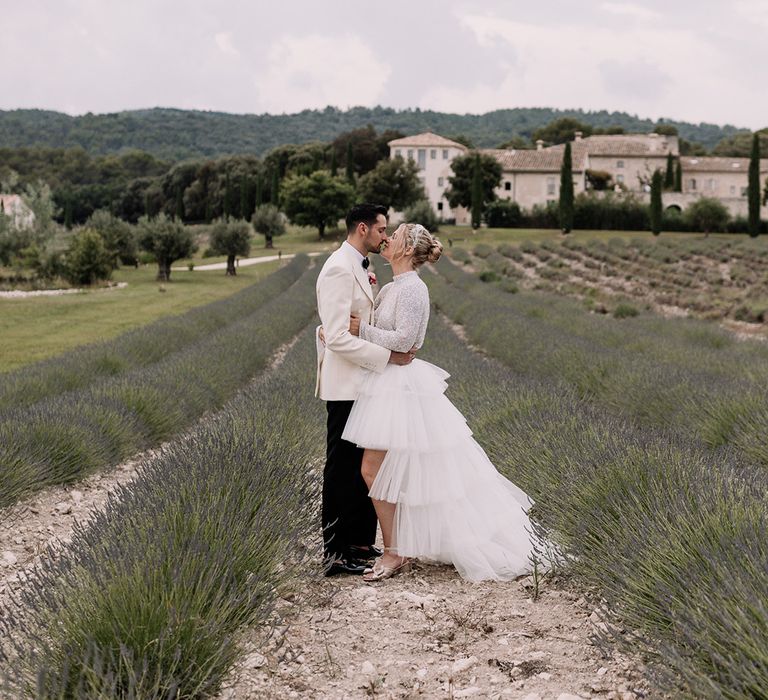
{"points": [[345, 565], [364, 553]]}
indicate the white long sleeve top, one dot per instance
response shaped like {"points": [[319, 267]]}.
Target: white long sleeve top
{"points": [[401, 314]]}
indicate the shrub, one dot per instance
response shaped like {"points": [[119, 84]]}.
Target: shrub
{"points": [[543, 216], [489, 276], [422, 213], [87, 258], [510, 286], [503, 213], [119, 237], [610, 212], [708, 215], [460, 255], [625, 311], [483, 250], [512, 252]]}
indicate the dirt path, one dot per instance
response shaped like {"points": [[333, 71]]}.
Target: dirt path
{"points": [[49, 517], [430, 634]]}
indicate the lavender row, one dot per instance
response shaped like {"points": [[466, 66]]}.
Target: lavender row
{"points": [[63, 438], [141, 347]]}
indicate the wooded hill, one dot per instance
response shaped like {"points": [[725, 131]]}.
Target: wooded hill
{"points": [[177, 134]]}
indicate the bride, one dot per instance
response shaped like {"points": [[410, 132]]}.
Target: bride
{"points": [[436, 494]]}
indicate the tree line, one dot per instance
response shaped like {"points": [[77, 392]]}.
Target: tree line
{"points": [[174, 134]]}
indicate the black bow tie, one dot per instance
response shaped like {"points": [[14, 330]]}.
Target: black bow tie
{"points": [[366, 262]]}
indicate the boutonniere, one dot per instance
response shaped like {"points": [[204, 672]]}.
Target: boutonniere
{"points": [[372, 279]]}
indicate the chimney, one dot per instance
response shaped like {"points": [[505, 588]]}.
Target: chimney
{"points": [[539, 144], [578, 135]]}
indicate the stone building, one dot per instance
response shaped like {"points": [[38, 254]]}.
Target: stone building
{"points": [[434, 155], [14, 207], [532, 177]]}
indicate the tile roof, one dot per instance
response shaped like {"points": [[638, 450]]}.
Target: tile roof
{"points": [[718, 164], [427, 139], [546, 160], [629, 145]]}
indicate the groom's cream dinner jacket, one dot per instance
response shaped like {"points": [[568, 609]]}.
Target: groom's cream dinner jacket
{"points": [[343, 288]]}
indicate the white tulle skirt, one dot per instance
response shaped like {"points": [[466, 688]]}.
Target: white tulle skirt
{"points": [[452, 504]]}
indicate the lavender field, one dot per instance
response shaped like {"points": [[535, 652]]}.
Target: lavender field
{"points": [[640, 439]]}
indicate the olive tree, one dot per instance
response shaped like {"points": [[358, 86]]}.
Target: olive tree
{"points": [[268, 221], [231, 238], [167, 240]]}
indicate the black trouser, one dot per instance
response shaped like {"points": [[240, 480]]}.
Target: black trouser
{"points": [[348, 514]]}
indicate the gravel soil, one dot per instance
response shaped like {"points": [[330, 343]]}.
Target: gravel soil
{"points": [[427, 633]]}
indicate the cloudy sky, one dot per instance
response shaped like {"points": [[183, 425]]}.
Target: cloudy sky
{"points": [[694, 60]]}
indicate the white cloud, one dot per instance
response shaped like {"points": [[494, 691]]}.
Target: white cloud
{"points": [[224, 42], [315, 71], [649, 70], [627, 9], [753, 11]]}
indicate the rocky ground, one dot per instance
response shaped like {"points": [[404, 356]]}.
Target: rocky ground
{"points": [[48, 518], [427, 633]]}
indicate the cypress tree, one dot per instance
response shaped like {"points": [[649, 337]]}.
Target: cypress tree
{"points": [[477, 194], [208, 210], [669, 176], [259, 191], [566, 191], [147, 205], [179, 204], [274, 191], [227, 197], [753, 189], [656, 186], [334, 164], [67, 213], [315, 161], [244, 198], [679, 177], [350, 164]]}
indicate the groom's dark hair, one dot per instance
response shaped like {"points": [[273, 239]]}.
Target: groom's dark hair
{"points": [[364, 214]]}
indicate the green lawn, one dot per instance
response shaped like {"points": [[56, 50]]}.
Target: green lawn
{"points": [[38, 327], [297, 239]]}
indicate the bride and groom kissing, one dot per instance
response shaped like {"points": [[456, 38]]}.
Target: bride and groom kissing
{"points": [[399, 453]]}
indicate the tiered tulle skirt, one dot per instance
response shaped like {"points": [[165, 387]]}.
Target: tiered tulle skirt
{"points": [[452, 504]]}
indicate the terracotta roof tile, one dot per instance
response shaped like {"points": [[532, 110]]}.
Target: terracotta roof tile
{"points": [[718, 164], [545, 160], [629, 145], [427, 140]]}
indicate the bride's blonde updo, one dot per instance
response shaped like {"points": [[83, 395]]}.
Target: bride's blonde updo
{"points": [[426, 247]]}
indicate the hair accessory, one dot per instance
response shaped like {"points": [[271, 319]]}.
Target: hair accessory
{"points": [[416, 233]]}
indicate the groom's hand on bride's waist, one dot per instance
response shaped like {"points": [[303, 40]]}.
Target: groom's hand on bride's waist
{"points": [[402, 358]]}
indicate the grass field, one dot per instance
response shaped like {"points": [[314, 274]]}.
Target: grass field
{"points": [[35, 328], [297, 239]]}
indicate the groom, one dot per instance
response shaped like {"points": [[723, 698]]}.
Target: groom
{"points": [[343, 288]]}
